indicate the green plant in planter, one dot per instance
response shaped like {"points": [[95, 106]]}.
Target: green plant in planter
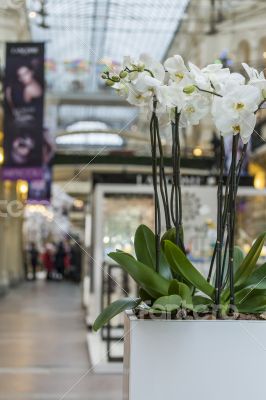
{"points": [[167, 280], [180, 286]]}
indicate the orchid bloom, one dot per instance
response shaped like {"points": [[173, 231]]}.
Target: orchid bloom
{"points": [[195, 108], [121, 89], [237, 100], [145, 83], [244, 126], [177, 70], [171, 96], [137, 98], [234, 113], [257, 79], [193, 92]]}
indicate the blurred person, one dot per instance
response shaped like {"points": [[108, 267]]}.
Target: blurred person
{"points": [[60, 259], [48, 261], [76, 261], [34, 255], [67, 259]]}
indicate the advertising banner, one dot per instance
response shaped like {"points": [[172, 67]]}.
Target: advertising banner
{"points": [[23, 111], [40, 190]]}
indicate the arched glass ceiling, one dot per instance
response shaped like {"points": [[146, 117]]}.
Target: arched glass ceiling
{"points": [[115, 117], [83, 34]]}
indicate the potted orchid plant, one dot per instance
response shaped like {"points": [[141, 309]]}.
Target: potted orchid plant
{"points": [[180, 314]]}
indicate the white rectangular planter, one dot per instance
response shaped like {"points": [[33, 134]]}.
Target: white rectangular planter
{"points": [[205, 360]]}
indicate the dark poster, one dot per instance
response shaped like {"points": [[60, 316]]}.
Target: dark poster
{"points": [[23, 107], [40, 190]]}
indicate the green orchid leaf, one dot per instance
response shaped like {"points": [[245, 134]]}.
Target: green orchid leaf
{"points": [[182, 290], [251, 301], [114, 309], [238, 258], [249, 263], [144, 243], [145, 250], [247, 266], [248, 293], [171, 235], [257, 279], [201, 303], [146, 297], [144, 276], [122, 251], [168, 303], [181, 265]]}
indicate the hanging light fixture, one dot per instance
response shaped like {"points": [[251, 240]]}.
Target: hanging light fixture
{"points": [[22, 189], [43, 14]]}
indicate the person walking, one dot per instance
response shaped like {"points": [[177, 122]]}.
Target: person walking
{"points": [[34, 254], [48, 261], [60, 259]]}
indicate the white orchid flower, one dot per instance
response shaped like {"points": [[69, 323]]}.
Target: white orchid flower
{"points": [[176, 68], [233, 81], [137, 98], [171, 96], [216, 74], [133, 65], [212, 78], [195, 108], [192, 91], [243, 125], [200, 79], [253, 73], [154, 66], [236, 101], [234, 113], [122, 88], [130, 63], [257, 79], [145, 63], [145, 82]]}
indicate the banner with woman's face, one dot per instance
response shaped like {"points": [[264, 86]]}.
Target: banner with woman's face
{"points": [[23, 111]]}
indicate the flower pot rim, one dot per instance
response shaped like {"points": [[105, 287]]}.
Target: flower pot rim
{"points": [[132, 317]]}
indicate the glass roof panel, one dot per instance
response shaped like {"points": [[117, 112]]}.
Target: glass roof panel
{"points": [[82, 33]]}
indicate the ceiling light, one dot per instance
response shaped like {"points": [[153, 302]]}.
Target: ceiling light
{"points": [[90, 139], [1, 155], [78, 203], [259, 180], [22, 187], [197, 152], [86, 126], [32, 14]]}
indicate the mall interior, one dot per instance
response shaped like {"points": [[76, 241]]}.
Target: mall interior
{"points": [[60, 218]]}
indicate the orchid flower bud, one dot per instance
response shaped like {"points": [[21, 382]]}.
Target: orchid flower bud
{"points": [[109, 82], [123, 74], [189, 89]]}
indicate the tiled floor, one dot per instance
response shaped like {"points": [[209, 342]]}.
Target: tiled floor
{"points": [[43, 352]]}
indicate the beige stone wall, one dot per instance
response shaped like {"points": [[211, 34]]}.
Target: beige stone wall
{"points": [[13, 27]]}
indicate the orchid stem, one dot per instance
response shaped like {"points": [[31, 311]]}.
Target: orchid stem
{"points": [[163, 183], [154, 179], [219, 242], [231, 220]]}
